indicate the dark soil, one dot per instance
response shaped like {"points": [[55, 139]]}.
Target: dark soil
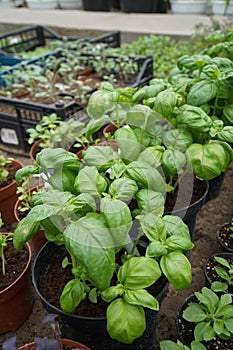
{"points": [[225, 236], [186, 331], [15, 264], [211, 273]]}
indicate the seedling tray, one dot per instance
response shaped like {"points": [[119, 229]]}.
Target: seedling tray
{"points": [[22, 114], [29, 38]]}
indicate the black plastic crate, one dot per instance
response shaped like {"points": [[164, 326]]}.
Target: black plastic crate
{"points": [[23, 114], [19, 116], [29, 38]]}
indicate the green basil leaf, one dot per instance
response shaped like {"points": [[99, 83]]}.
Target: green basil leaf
{"points": [[176, 267], [150, 201], [24, 172], [202, 92], [141, 297], [90, 242], [100, 156], [56, 158], [90, 181], [153, 227], [146, 176], [194, 313], [134, 323], [194, 118], [72, 295], [156, 249], [117, 218], [178, 139], [112, 292], [173, 161], [152, 155], [176, 242], [128, 144], [101, 102], [123, 189], [175, 226], [139, 272], [209, 160]]}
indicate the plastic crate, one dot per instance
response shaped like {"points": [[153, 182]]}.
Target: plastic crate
{"points": [[20, 115], [29, 38], [25, 114]]}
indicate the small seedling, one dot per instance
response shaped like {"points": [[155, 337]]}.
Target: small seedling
{"points": [[4, 239], [3, 170], [225, 272]]}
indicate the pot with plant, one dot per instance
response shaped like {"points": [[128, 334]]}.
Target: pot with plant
{"points": [[218, 271], [51, 343], [16, 300], [8, 187], [207, 317], [87, 214], [225, 237], [160, 143]]}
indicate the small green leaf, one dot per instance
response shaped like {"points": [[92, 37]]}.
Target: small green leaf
{"points": [[72, 295]]}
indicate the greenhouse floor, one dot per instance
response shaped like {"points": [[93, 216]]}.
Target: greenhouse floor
{"points": [[86, 23]]}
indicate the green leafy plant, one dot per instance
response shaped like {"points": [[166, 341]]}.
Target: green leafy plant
{"points": [[3, 170], [170, 345], [86, 207], [213, 315], [225, 272], [4, 239]]}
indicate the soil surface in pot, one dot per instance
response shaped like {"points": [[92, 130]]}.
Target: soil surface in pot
{"points": [[186, 330], [52, 283], [15, 264], [224, 235], [212, 274]]}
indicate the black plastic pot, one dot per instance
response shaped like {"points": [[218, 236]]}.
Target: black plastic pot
{"points": [[141, 6], [223, 243], [185, 329], [189, 212], [89, 330], [208, 276], [215, 187], [96, 5]]}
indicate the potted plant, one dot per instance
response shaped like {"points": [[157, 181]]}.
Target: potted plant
{"points": [[225, 236], [219, 272], [206, 317], [16, 300], [8, 187], [100, 214]]}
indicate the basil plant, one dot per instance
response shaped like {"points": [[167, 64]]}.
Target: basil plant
{"points": [[90, 206]]}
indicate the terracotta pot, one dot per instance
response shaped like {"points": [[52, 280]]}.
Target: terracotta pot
{"points": [[8, 198], [35, 148], [38, 240], [16, 301], [70, 344]]}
